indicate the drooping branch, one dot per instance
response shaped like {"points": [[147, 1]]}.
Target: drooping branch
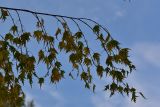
{"points": [[116, 64], [55, 15]]}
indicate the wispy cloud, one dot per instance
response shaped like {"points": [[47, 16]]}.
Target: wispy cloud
{"points": [[142, 103], [60, 101], [54, 95], [29, 98], [148, 52], [120, 13], [143, 54], [103, 100]]}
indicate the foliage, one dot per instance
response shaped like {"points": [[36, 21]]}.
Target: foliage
{"points": [[16, 57]]}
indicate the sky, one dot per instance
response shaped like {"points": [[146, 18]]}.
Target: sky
{"points": [[135, 24]]}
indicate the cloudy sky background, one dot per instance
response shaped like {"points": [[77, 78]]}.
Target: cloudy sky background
{"points": [[135, 24]]}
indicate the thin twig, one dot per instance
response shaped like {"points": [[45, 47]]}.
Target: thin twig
{"points": [[55, 15], [20, 21]]}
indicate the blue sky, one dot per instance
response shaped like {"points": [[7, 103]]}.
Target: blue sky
{"points": [[135, 24]]}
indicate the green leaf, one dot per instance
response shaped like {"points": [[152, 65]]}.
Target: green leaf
{"points": [[66, 35], [86, 50], [72, 58], [100, 37], [9, 36], [87, 85], [12, 49], [41, 81], [94, 86], [80, 45], [124, 53], [4, 14], [58, 64], [58, 32], [87, 61], [127, 89], [25, 37], [134, 97], [56, 75], [75, 66], [100, 70], [84, 76], [109, 61], [62, 73], [29, 77], [52, 54], [120, 89], [14, 29], [38, 35], [61, 45], [78, 35], [112, 44], [96, 57], [48, 39], [113, 88], [108, 37], [41, 55], [107, 87], [96, 29], [17, 41]]}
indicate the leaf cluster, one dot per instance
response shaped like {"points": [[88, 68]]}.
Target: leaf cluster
{"points": [[15, 54]]}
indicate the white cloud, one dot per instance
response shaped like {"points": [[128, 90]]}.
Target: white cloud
{"points": [[60, 101], [146, 53], [143, 103], [149, 52], [142, 54], [120, 13], [55, 96], [29, 98], [151, 101], [103, 100]]}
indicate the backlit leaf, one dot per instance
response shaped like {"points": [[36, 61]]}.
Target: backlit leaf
{"points": [[96, 29], [14, 29], [58, 32], [4, 14], [96, 57], [41, 81], [100, 70]]}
